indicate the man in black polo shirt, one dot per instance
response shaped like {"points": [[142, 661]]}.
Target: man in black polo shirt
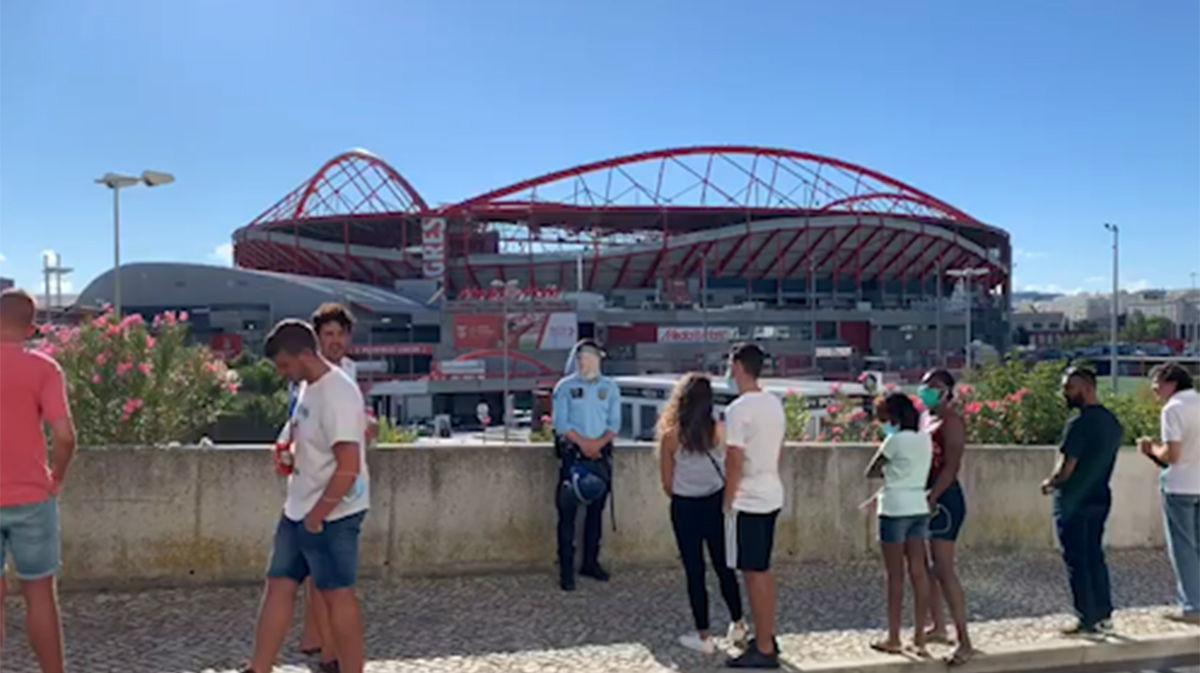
{"points": [[1082, 499]]}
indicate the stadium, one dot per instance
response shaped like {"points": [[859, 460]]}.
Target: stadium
{"points": [[665, 256]]}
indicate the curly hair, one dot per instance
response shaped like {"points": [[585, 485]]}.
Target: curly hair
{"points": [[688, 415], [332, 312]]}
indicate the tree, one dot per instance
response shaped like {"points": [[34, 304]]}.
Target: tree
{"points": [[1139, 328]]}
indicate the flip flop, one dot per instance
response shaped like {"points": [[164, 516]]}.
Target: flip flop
{"points": [[960, 657], [919, 652], [938, 639], [886, 647]]}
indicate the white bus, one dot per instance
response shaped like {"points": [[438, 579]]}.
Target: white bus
{"points": [[642, 398]]}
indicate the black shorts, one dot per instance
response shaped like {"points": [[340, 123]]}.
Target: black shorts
{"points": [[754, 540], [951, 512]]}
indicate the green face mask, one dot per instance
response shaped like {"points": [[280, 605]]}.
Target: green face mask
{"points": [[930, 397]]}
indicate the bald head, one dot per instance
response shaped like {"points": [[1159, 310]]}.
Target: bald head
{"points": [[17, 310]]}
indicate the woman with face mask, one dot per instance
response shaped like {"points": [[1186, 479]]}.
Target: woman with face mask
{"points": [[903, 463], [943, 423]]}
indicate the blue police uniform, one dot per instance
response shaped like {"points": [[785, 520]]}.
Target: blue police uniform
{"points": [[591, 409]]}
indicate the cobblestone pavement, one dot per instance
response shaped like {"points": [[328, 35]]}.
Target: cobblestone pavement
{"points": [[522, 623]]}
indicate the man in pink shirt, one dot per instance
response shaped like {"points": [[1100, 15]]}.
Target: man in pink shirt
{"points": [[32, 393]]}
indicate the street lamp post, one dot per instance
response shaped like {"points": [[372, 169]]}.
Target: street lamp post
{"points": [[967, 275], [116, 182], [1112, 327], [506, 288]]}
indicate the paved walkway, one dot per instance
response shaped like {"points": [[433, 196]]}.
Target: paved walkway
{"points": [[522, 623]]}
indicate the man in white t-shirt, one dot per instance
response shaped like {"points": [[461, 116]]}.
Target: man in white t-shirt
{"points": [[334, 325], [755, 425], [1179, 456], [327, 500]]}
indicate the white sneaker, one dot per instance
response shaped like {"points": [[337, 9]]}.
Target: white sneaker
{"points": [[693, 641], [738, 633]]}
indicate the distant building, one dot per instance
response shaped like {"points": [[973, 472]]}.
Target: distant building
{"points": [[5, 283], [1037, 328]]}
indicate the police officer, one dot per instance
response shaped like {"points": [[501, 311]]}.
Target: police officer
{"points": [[587, 417]]}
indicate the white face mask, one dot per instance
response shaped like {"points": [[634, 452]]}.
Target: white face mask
{"points": [[589, 366]]}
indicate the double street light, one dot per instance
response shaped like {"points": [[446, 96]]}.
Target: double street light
{"points": [[116, 182], [1112, 336], [967, 275], [507, 288]]}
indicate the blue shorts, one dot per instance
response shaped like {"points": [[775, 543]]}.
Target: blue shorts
{"points": [[30, 534], [901, 529], [331, 556]]}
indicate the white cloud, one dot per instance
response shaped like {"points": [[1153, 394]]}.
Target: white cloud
{"points": [[3, 259], [1049, 288], [1094, 280], [1137, 285], [1028, 254], [222, 254]]}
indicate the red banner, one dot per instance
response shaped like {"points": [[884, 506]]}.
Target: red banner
{"points": [[226, 346], [527, 331]]}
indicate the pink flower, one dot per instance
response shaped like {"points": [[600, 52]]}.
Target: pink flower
{"points": [[183, 316], [45, 329], [131, 320], [858, 415], [835, 388], [832, 409], [546, 420], [211, 367], [972, 408], [96, 379], [993, 405], [862, 378], [150, 342], [837, 431], [132, 406], [101, 359], [124, 368], [48, 349], [966, 390], [232, 388], [145, 368]]}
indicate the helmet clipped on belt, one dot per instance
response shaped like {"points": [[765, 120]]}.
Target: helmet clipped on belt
{"points": [[585, 485]]}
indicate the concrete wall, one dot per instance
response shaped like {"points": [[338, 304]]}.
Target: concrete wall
{"points": [[173, 516]]}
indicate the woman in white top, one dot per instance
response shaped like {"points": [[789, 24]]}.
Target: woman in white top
{"points": [[903, 461], [691, 456]]}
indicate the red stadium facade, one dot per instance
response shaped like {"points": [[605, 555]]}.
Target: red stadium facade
{"points": [[799, 222]]}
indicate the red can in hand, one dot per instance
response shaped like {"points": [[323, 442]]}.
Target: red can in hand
{"points": [[284, 460]]}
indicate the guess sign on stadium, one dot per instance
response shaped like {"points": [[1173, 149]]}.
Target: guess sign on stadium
{"points": [[433, 247]]}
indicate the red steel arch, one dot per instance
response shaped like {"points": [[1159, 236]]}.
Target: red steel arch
{"points": [[356, 182], [747, 177]]}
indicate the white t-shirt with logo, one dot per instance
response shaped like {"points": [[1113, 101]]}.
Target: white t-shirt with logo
{"points": [[1181, 423], [756, 423], [328, 412]]}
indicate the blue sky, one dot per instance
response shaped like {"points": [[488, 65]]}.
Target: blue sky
{"points": [[1045, 118]]}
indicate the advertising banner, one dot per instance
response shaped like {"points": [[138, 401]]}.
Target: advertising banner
{"points": [[226, 346], [695, 335], [526, 331], [391, 349]]}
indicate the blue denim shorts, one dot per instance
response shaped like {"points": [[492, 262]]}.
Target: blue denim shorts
{"points": [[900, 529], [331, 556], [30, 534]]}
